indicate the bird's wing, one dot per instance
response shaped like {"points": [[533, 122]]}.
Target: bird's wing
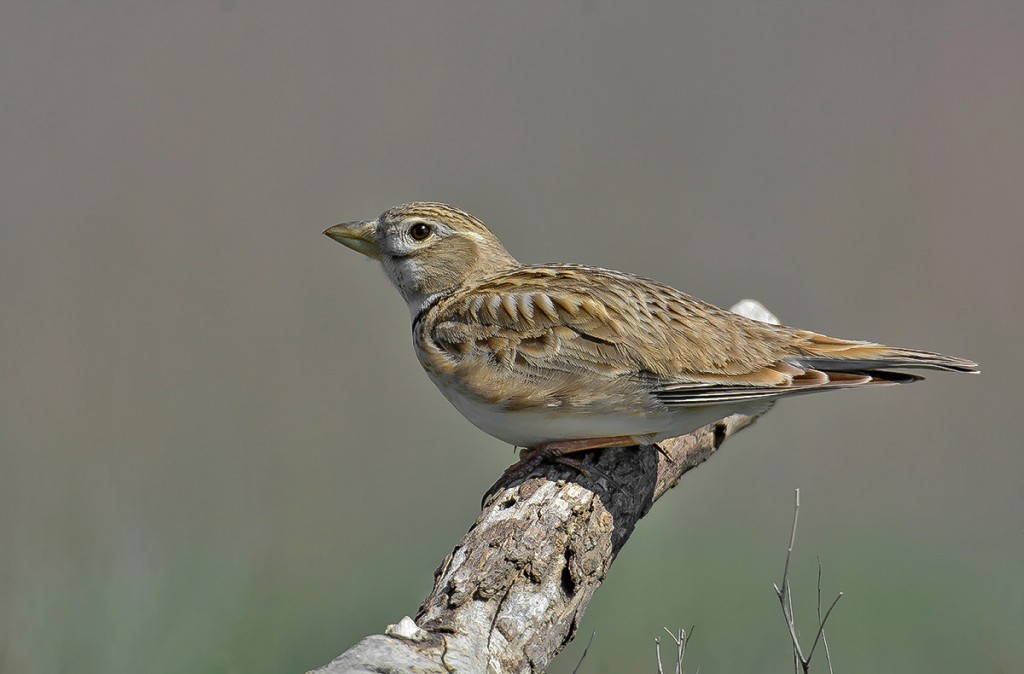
{"points": [[550, 321]]}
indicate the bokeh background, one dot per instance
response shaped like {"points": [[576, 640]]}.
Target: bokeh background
{"points": [[218, 453]]}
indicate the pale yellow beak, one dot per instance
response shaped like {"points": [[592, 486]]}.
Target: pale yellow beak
{"points": [[359, 236]]}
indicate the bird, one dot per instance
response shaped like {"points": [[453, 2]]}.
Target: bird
{"points": [[561, 358]]}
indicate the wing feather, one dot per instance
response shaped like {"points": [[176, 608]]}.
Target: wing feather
{"points": [[559, 320]]}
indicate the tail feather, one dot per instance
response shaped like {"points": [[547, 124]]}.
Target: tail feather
{"points": [[829, 353], [819, 364]]}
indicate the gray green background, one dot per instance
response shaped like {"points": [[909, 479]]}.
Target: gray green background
{"points": [[218, 453]]}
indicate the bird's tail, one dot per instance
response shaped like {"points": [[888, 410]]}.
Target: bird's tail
{"points": [[840, 355]]}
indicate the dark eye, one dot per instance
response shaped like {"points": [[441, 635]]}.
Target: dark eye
{"points": [[419, 231]]}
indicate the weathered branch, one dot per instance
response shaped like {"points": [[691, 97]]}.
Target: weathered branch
{"points": [[511, 594]]}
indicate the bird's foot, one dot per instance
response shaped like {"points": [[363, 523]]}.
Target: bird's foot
{"points": [[556, 452]]}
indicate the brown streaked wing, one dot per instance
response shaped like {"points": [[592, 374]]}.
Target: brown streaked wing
{"points": [[570, 318]]}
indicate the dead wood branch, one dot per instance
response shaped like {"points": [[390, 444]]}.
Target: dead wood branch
{"points": [[511, 593]]}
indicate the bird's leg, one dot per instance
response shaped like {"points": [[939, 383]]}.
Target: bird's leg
{"points": [[556, 452], [563, 447]]}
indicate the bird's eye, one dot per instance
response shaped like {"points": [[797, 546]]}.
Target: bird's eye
{"points": [[420, 231]]}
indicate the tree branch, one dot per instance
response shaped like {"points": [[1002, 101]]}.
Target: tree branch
{"points": [[511, 593]]}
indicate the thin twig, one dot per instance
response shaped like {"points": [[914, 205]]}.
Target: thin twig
{"points": [[587, 648], [819, 591], [680, 639], [821, 623], [680, 648], [785, 593], [828, 655], [684, 636], [821, 626]]}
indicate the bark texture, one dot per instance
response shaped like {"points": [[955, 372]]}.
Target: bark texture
{"points": [[511, 593]]}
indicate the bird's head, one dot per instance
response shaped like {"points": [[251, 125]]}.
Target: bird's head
{"points": [[426, 248]]}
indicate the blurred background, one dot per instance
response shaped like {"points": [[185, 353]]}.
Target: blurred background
{"points": [[217, 450]]}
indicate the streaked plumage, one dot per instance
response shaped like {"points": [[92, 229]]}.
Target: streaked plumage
{"points": [[540, 354]]}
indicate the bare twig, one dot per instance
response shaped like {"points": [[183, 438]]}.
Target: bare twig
{"points": [[821, 625], [785, 595], [585, 651], [824, 640], [681, 639]]}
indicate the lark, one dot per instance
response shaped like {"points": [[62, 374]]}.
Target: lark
{"points": [[558, 358]]}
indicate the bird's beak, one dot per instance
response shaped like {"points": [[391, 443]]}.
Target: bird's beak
{"points": [[359, 236]]}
